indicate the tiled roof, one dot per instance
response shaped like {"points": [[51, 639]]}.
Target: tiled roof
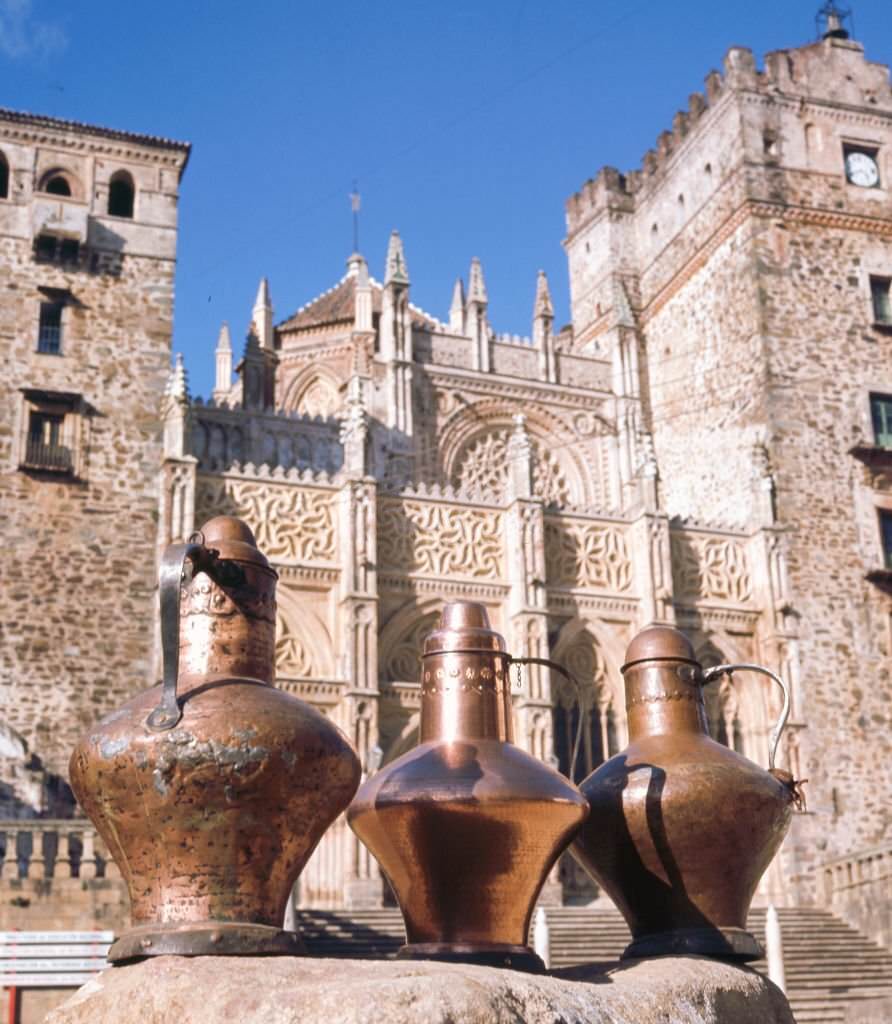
{"points": [[42, 121], [337, 306]]}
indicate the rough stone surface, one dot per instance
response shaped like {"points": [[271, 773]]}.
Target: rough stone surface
{"points": [[281, 990], [79, 546]]}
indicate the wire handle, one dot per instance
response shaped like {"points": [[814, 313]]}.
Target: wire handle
{"points": [[179, 564], [711, 674], [578, 686]]}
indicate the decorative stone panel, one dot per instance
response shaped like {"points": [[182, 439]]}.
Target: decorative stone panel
{"points": [[710, 568], [587, 554], [436, 539], [291, 523]]}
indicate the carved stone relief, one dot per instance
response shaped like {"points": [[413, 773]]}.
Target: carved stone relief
{"points": [[319, 398], [290, 523], [402, 663], [440, 540], [710, 568], [588, 555], [482, 470], [292, 658]]}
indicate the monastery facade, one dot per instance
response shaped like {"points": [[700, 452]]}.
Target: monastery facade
{"points": [[707, 444]]}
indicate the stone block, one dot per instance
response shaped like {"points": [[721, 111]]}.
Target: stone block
{"points": [[284, 990]]}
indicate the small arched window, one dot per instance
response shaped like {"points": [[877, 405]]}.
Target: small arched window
{"points": [[120, 195], [4, 177], [57, 185]]}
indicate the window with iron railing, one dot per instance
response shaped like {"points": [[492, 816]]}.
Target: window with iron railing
{"points": [[881, 416], [44, 448], [53, 249], [49, 331]]}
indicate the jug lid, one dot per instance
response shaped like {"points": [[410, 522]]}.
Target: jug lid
{"points": [[659, 643], [233, 540], [464, 626]]}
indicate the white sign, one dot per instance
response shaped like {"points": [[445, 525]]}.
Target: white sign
{"points": [[44, 980], [19, 938], [75, 949], [56, 965]]}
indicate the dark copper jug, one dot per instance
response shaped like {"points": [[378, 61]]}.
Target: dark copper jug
{"points": [[682, 828], [213, 789], [467, 826]]}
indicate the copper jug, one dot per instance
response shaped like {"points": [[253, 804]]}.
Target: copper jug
{"points": [[212, 790], [467, 826], [682, 828]]}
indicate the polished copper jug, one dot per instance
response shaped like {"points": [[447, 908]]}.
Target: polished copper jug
{"points": [[682, 828], [467, 826], [212, 790]]}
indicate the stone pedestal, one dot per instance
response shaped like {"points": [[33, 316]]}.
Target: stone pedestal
{"points": [[286, 990]]}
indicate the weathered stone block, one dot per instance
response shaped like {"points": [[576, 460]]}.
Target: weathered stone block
{"points": [[282, 990]]}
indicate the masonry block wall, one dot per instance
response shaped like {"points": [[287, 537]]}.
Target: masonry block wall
{"points": [[88, 226], [752, 256]]}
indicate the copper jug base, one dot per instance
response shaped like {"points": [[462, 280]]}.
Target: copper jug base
{"points": [[205, 938], [721, 943], [492, 954]]}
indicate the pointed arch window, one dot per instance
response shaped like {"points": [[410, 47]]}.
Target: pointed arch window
{"points": [[121, 195], [4, 177]]}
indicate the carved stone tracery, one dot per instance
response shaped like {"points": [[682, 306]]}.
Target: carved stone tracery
{"points": [[579, 553], [710, 568], [290, 523], [440, 540], [482, 470]]}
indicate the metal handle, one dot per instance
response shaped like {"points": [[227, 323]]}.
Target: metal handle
{"points": [[578, 686], [179, 564], [711, 674]]}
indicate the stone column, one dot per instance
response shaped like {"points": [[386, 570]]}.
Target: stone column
{"points": [[527, 611], [650, 551], [358, 615]]}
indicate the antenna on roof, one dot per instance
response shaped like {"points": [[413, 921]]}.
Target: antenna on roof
{"points": [[354, 206], [830, 22]]}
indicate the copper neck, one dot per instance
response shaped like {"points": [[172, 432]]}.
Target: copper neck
{"points": [[228, 631], [466, 695], [663, 696]]}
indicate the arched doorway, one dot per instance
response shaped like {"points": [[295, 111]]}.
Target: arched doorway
{"points": [[596, 715]]}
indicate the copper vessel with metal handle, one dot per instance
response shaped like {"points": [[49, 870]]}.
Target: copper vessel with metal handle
{"points": [[467, 826], [212, 790], [682, 828]]}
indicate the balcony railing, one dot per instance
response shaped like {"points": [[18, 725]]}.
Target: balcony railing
{"points": [[55, 458], [53, 849]]}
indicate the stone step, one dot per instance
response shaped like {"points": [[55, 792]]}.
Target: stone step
{"points": [[829, 966]]}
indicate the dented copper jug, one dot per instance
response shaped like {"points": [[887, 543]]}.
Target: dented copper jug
{"points": [[682, 828], [467, 826], [212, 790]]}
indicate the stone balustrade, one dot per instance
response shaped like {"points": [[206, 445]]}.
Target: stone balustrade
{"points": [[53, 849], [858, 887]]}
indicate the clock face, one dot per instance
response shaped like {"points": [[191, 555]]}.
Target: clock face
{"points": [[862, 170]]}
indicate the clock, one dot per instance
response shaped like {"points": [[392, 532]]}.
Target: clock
{"points": [[862, 169]]}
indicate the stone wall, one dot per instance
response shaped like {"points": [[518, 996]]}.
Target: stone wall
{"points": [[79, 546], [745, 256]]}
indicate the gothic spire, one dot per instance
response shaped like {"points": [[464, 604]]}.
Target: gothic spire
{"points": [[223, 354], [178, 382], [476, 284], [396, 271], [262, 315], [457, 309], [543, 306]]}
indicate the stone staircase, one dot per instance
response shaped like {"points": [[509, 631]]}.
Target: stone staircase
{"points": [[830, 967]]}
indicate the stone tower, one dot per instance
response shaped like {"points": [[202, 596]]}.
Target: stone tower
{"points": [[88, 228], [743, 275]]}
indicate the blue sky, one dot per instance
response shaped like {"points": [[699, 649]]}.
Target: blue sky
{"points": [[467, 124]]}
